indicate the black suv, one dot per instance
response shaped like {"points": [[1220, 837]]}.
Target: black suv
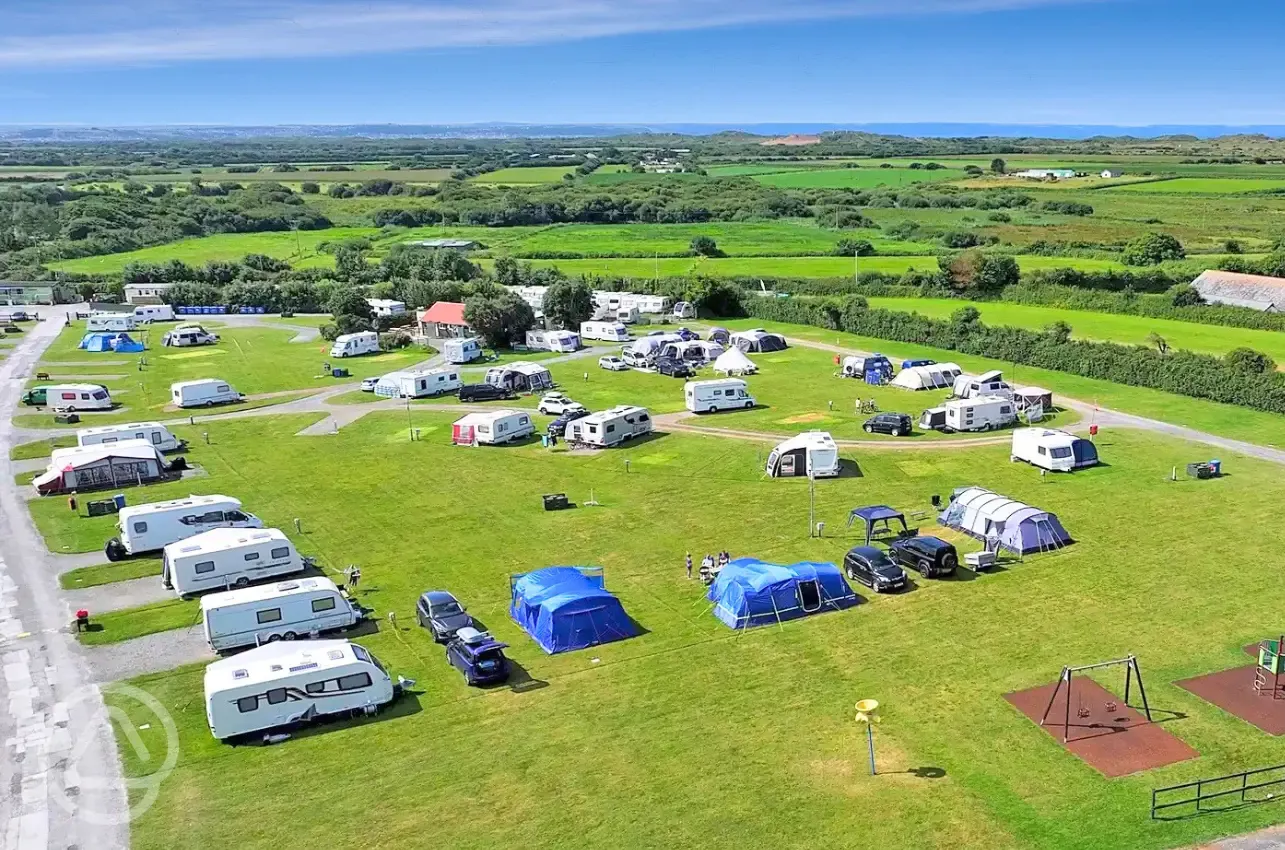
{"points": [[674, 368], [874, 569], [483, 392], [896, 424], [931, 556], [558, 427]]}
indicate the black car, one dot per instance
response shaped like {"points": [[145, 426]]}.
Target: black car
{"points": [[873, 568], [483, 392], [442, 614], [558, 427], [896, 424], [674, 368], [931, 556]]}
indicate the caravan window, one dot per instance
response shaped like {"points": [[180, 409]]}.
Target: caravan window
{"points": [[205, 567], [109, 439], [234, 516], [252, 556], [355, 681], [140, 528], [223, 388], [247, 704], [315, 687], [1005, 409], [326, 604], [642, 417], [1061, 452], [276, 696], [1040, 449], [100, 395], [611, 429], [268, 615], [282, 552]]}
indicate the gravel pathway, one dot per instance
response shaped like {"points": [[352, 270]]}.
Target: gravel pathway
{"points": [[148, 654]]}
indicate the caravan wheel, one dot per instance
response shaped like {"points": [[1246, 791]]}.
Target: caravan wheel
{"points": [[289, 636], [243, 581], [273, 638], [713, 408]]}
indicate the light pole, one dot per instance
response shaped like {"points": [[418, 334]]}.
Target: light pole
{"points": [[867, 714]]}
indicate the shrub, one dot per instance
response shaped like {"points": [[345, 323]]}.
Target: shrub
{"points": [[1153, 249], [854, 248]]}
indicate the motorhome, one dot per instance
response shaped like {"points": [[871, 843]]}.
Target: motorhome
{"points": [[269, 612], [355, 345], [552, 341], [69, 397], [988, 383], [610, 427], [433, 382], [982, 413], [187, 336], [280, 684], [720, 394], [153, 432], [205, 392], [606, 331], [107, 321], [1056, 451], [492, 428], [386, 308], [228, 557], [152, 527], [460, 351], [148, 313], [812, 454]]}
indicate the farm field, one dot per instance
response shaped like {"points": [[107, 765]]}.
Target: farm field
{"points": [[1207, 185], [856, 178], [520, 176]]}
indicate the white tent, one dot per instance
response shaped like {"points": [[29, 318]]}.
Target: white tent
{"points": [[692, 351], [734, 362], [938, 376], [650, 345]]}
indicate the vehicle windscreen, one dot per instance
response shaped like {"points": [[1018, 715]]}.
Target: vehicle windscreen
{"points": [[445, 609]]}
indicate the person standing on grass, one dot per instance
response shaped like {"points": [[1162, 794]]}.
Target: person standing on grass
{"points": [[689, 566]]}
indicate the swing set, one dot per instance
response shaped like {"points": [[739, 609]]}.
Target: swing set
{"points": [[1131, 671]]}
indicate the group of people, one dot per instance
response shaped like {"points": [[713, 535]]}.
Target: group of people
{"points": [[711, 565]]}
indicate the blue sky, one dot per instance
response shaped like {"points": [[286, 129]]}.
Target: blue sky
{"points": [[1124, 62]]}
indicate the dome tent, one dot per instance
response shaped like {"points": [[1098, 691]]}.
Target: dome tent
{"points": [[734, 362], [567, 608], [1017, 527], [749, 592]]}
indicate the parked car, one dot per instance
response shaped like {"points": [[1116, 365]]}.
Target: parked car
{"points": [[483, 392], [612, 364], [16, 316], [442, 614], [635, 360], [873, 568], [930, 556], [674, 368], [558, 427], [368, 384], [555, 404], [896, 424], [687, 335], [478, 656]]}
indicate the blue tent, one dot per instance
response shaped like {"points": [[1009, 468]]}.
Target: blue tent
{"points": [[96, 342], [101, 341], [565, 608], [749, 592], [124, 344]]}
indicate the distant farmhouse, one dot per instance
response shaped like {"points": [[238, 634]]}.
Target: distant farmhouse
{"points": [[1111, 173], [1046, 174], [451, 244], [1255, 291]]}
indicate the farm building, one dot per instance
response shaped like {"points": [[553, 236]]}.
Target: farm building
{"points": [[1111, 173], [1046, 174], [734, 362], [758, 340], [935, 376], [1255, 291], [1011, 525], [27, 292], [446, 244], [444, 320], [101, 466], [567, 608], [749, 592], [146, 293]]}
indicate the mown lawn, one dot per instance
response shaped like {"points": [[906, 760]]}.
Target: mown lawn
{"points": [[101, 574], [41, 448], [519, 176], [117, 626], [1205, 186]]}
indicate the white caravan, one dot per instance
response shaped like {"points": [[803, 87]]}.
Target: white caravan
{"points": [[812, 454], [147, 528], [492, 428], [459, 351], [684, 310], [627, 315], [610, 427], [205, 392], [355, 345], [1056, 451], [187, 336], [552, 341], [988, 383], [418, 384], [385, 307], [228, 557], [148, 313], [77, 397], [270, 612], [107, 321], [970, 414], [720, 394], [279, 684], [607, 331], [153, 432]]}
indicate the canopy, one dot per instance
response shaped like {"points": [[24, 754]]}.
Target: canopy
{"points": [[734, 362], [872, 515], [749, 592], [566, 608], [1015, 526]]}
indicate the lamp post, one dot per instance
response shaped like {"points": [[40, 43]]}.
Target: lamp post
{"points": [[867, 714]]}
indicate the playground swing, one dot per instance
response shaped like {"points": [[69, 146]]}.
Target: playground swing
{"points": [[1270, 666], [1131, 671]]}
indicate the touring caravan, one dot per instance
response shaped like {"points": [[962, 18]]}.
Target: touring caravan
{"points": [[552, 341], [280, 684], [810, 454], [70, 397], [228, 557], [1056, 451], [85, 468], [492, 428], [988, 383], [106, 321], [148, 528], [970, 414], [153, 432], [720, 394], [610, 427], [607, 331], [627, 315], [355, 345], [386, 308], [270, 612], [433, 382], [460, 351], [520, 376], [148, 313], [205, 392], [187, 336], [684, 310]]}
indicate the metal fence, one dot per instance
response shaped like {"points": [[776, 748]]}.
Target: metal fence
{"points": [[1217, 794]]}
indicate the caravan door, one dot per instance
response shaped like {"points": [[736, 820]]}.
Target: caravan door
{"points": [[787, 465]]}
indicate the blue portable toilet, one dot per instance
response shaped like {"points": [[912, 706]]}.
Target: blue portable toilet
{"points": [[119, 499], [567, 608]]}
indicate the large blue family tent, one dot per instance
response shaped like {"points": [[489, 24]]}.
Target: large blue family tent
{"points": [[566, 608], [100, 341], [749, 592]]}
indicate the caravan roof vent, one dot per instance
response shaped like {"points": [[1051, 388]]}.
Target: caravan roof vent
{"points": [[288, 585], [240, 674], [336, 654], [276, 668]]}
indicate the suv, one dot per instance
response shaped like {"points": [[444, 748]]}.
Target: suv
{"points": [[442, 614], [931, 556], [478, 656], [556, 404], [558, 427], [896, 424], [483, 392], [368, 384], [636, 360], [873, 568], [674, 368]]}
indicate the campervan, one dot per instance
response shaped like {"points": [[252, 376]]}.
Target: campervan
{"points": [[1056, 451], [627, 315], [282, 611], [280, 684], [186, 336], [610, 427], [355, 345], [552, 341], [70, 397], [460, 351], [433, 382], [608, 331], [148, 528], [148, 313], [988, 383], [492, 428], [106, 321], [228, 557], [720, 394], [153, 432], [970, 414], [205, 392], [812, 454]]}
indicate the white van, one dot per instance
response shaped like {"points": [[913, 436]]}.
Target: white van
{"points": [[107, 321], [205, 392], [147, 528], [228, 557], [608, 331], [153, 432], [355, 345], [282, 611], [610, 427], [459, 351], [719, 394], [433, 382], [279, 684], [77, 397], [1056, 451], [148, 313], [186, 336], [492, 428]]}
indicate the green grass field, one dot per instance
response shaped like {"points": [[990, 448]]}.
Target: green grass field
{"points": [[520, 176], [1206, 186], [101, 574], [856, 178]]}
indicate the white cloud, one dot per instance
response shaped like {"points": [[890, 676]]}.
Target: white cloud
{"points": [[108, 32]]}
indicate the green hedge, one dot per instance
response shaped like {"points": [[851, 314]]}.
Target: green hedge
{"points": [[1132, 304]]}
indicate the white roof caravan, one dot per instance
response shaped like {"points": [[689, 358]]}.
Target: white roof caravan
{"points": [[684, 310], [385, 307], [433, 382], [205, 392], [758, 340], [987, 383], [492, 428], [279, 684], [613, 301], [459, 351], [108, 321], [83, 468], [610, 427], [935, 376], [552, 340], [281, 611], [147, 528], [812, 453], [718, 394], [970, 414], [609, 331], [1056, 451], [520, 376], [153, 432], [228, 557], [355, 345], [147, 313]]}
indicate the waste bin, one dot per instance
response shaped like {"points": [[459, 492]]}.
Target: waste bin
{"points": [[1216, 467], [555, 501], [339, 373], [119, 499]]}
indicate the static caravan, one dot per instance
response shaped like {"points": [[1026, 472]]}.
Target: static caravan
{"points": [[810, 454], [187, 336], [492, 428], [153, 432], [970, 414], [205, 392], [70, 397], [110, 322], [386, 308], [270, 612], [716, 395], [934, 376], [608, 331], [148, 528], [552, 341], [85, 468], [988, 383], [433, 382], [148, 313], [228, 557], [460, 351], [280, 684], [1056, 451], [610, 427], [355, 345], [520, 376]]}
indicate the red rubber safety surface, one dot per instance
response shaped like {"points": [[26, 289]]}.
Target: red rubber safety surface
{"points": [[1233, 691]]}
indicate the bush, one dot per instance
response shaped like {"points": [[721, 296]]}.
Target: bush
{"points": [[329, 331], [393, 341], [854, 248], [1153, 249], [705, 246], [959, 239]]}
